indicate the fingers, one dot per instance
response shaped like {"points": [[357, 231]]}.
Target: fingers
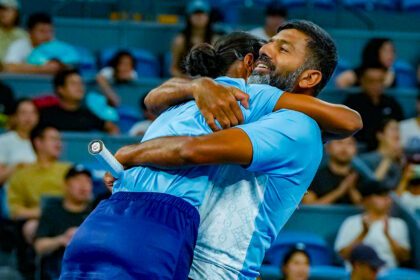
{"points": [[209, 117], [109, 180], [241, 96]]}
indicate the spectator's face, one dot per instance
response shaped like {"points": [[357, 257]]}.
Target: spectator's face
{"points": [[272, 22], [281, 59], [41, 33], [26, 116], [372, 82], [8, 16], [73, 89], [390, 137], [125, 67], [342, 151], [364, 271], [50, 143], [387, 54], [297, 268], [199, 20], [379, 204], [79, 188]]}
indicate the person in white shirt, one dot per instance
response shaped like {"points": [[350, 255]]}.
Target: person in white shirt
{"points": [[275, 15], [388, 236], [40, 29], [409, 187], [410, 130], [15, 147]]}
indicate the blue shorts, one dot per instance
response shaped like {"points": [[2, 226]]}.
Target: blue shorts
{"points": [[134, 235]]}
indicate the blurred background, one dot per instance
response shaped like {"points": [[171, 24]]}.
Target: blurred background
{"points": [[74, 70]]}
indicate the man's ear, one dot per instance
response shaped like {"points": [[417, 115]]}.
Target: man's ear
{"points": [[309, 79], [249, 62]]}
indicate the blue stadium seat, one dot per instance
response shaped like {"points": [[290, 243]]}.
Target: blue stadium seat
{"points": [[270, 272], [342, 65], [372, 4], [167, 62], [316, 246], [302, 3], [405, 74], [400, 274], [147, 64], [410, 5], [128, 117], [328, 273], [87, 65]]}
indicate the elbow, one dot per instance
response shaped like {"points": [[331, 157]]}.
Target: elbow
{"points": [[353, 124]]}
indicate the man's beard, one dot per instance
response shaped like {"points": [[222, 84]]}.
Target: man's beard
{"points": [[285, 81]]}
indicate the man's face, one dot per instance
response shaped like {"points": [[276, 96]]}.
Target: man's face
{"points": [[26, 116], [342, 151], [73, 88], [372, 82], [50, 143], [41, 33], [79, 188], [365, 271], [8, 16], [281, 60], [378, 203]]}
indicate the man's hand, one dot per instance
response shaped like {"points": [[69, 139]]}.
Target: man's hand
{"points": [[218, 102], [109, 181], [348, 183]]}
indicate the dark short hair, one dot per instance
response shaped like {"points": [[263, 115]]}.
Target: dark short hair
{"points": [[37, 18], [275, 9], [19, 102], [61, 77], [369, 66], [120, 54], [38, 132], [298, 248], [322, 55]]}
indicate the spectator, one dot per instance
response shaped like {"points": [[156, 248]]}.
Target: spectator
{"points": [[7, 102], [336, 182], [372, 104], [15, 146], [275, 15], [378, 51], [40, 29], [70, 114], [388, 236], [141, 127], [9, 25], [44, 177], [296, 264], [385, 162], [365, 263], [198, 30], [409, 187], [59, 221], [410, 130], [122, 69]]}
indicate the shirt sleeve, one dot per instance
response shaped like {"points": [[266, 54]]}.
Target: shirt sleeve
{"points": [[400, 234], [107, 73], [16, 53], [283, 143], [15, 193], [262, 101]]}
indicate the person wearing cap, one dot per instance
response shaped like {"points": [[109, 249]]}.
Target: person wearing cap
{"points": [[296, 263], [9, 25], [60, 219], [365, 263], [388, 236], [275, 15], [198, 30]]}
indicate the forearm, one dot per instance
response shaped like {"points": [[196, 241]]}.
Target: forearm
{"points": [[330, 197], [107, 90], [23, 213], [346, 251], [332, 118], [170, 93], [383, 168], [46, 245], [401, 253], [227, 146], [355, 196], [26, 69]]}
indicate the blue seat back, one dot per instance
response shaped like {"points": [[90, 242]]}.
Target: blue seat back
{"points": [[400, 274], [405, 74]]}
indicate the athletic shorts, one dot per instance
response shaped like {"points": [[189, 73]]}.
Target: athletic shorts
{"points": [[134, 235]]}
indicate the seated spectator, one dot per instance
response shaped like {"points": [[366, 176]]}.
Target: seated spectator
{"points": [[336, 182], [9, 25], [365, 263], [275, 15], [141, 127], [59, 221], [40, 29], [409, 187], [378, 51], [15, 146], [199, 29], [372, 104], [7, 102], [122, 69], [44, 177], [410, 130], [296, 264], [70, 114], [388, 236], [385, 163]]}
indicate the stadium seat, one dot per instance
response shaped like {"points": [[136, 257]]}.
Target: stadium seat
{"points": [[87, 65], [400, 274], [270, 272], [128, 117], [147, 64], [316, 246], [166, 65], [405, 74], [302, 3], [372, 4], [328, 273], [410, 5], [342, 65]]}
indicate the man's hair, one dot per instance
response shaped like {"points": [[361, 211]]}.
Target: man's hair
{"points": [[61, 77], [38, 132], [322, 55], [19, 102], [368, 66], [275, 9], [37, 18]]}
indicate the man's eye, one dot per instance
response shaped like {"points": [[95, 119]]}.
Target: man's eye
{"points": [[282, 49]]}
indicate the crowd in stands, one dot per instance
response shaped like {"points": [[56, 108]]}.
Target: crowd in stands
{"points": [[46, 199]]}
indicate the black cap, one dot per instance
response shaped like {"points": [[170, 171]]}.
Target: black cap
{"points": [[366, 254], [373, 187], [77, 170]]}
